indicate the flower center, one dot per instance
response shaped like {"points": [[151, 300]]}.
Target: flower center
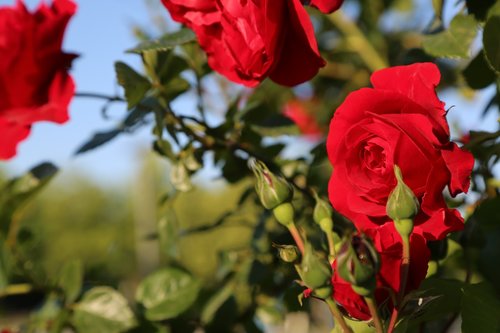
{"points": [[374, 157]]}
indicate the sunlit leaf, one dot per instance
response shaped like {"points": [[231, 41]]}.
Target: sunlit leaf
{"points": [[167, 293], [103, 310], [454, 42]]}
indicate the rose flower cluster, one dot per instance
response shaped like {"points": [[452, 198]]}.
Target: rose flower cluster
{"points": [[34, 82], [399, 122], [250, 40]]}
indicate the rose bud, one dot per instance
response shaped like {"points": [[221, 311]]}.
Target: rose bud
{"points": [[322, 215], [272, 190], [288, 253], [358, 263], [402, 205], [316, 273]]}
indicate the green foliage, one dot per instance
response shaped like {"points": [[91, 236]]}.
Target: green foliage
{"points": [[103, 310], [490, 41], [454, 42], [71, 279], [167, 42], [136, 86], [167, 293]]}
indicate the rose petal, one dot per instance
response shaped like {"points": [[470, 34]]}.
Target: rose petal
{"points": [[460, 164], [300, 60], [417, 82], [326, 6], [11, 135]]}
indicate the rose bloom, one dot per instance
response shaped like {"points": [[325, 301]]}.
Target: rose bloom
{"points": [[400, 121], [388, 244], [298, 111], [34, 83], [249, 40]]}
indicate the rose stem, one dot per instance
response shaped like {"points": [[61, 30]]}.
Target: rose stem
{"points": [[331, 246], [358, 41], [405, 266], [338, 318], [374, 312], [296, 236]]}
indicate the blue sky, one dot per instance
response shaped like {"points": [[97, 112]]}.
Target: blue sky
{"points": [[100, 32]]}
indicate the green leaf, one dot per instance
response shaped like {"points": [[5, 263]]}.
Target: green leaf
{"points": [[480, 309], [103, 310], [479, 8], [71, 279], [98, 139], [16, 193], [491, 42], [136, 86], [216, 301], [478, 73], [167, 293], [454, 42], [167, 42]]}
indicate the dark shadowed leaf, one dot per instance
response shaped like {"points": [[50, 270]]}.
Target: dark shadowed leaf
{"points": [[167, 293], [491, 42], [136, 86], [478, 73], [480, 309], [98, 139]]}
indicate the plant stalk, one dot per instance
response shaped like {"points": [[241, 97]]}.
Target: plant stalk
{"points": [[337, 316]]}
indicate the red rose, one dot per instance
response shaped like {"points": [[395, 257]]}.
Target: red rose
{"points": [[326, 6], [400, 121], [34, 83], [388, 244], [299, 113], [249, 40]]}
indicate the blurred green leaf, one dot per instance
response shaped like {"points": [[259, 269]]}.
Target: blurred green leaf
{"points": [[479, 8], [454, 42], [167, 293], [216, 301], [491, 42], [167, 42], [71, 279], [18, 191], [478, 73], [102, 310], [480, 309], [136, 86], [97, 140]]}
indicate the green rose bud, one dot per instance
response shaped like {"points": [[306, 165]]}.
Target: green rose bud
{"points": [[272, 190], [315, 271], [402, 203], [323, 214], [358, 263], [288, 253]]}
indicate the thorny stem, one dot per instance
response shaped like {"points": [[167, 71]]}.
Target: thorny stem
{"points": [[375, 314], [338, 317]]}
